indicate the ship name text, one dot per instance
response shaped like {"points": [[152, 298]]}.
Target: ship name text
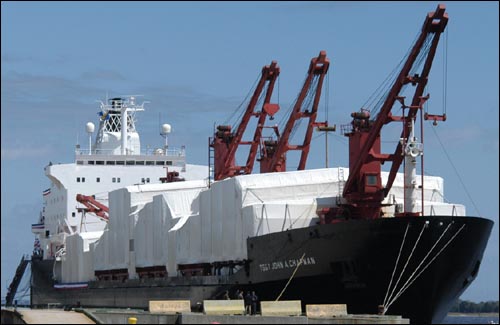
{"points": [[286, 264]]}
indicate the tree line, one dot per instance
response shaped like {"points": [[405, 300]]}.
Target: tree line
{"points": [[465, 306]]}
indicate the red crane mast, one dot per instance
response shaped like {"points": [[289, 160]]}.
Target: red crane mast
{"points": [[225, 143], [363, 190], [273, 157], [91, 205]]}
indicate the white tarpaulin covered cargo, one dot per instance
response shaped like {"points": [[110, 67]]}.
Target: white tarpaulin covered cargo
{"points": [[187, 223], [77, 265], [117, 247], [240, 207]]}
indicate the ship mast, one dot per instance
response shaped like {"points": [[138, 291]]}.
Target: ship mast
{"points": [[413, 149]]}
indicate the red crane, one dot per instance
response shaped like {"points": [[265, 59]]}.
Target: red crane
{"points": [[91, 205], [273, 155], [225, 143], [363, 192]]}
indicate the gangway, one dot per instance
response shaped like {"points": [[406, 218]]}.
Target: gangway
{"points": [[17, 279]]}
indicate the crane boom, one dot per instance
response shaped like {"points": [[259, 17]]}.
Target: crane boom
{"points": [[274, 157], [93, 206], [226, 143], [363, 190]]}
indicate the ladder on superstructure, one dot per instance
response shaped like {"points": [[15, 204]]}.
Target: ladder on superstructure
{"points": [[17, 279], [211, 161], [341, 178]]}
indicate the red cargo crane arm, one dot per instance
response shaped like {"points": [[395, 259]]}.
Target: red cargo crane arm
{"points": [[365, 158], [226, 143], [275, 160], [93, 206]]}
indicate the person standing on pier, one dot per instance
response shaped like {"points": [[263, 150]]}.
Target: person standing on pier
{"points": [[248, 303], [255, 299]]}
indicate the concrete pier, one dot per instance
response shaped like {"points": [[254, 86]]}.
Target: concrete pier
{"points": [[43, 316], [117, 316], [121, 316]]}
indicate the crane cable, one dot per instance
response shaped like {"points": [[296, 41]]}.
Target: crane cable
{"points": [[238, 109], [456, 171], [445, 71], [383, 89]]}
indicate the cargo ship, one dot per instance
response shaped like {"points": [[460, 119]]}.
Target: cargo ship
{"points": [[120, 227]]}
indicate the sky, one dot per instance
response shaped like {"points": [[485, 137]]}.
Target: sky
{"points": [[196, 61]]}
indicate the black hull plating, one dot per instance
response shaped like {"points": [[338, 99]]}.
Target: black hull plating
{"points": [[350, 262]]}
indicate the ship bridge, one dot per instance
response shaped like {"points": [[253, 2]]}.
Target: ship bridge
{"points": [[119, 145], [157, 157]]}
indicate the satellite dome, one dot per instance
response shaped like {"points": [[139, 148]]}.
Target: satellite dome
{"points": [[166, 128], [90, 127]]}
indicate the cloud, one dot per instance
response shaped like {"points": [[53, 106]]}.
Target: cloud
{"points": [[102, 74], [21, 153], [9, 58], [18, 86]]}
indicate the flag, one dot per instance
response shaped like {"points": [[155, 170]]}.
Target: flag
{"points": [[46, 192], [37, 226], [103, 115]]}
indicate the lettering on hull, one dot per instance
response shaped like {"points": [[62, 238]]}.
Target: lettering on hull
{"points": [[286, 264]]}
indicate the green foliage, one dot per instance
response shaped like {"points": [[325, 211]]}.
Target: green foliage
{"points": [[465, 306]]}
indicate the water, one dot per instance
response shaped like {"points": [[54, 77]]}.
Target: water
{"points": [[470, 320]]}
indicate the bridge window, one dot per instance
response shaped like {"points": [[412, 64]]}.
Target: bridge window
{"points": [[78, 179], [99, 162], [120, 162], [113, 179], [118, 179], [160, 163], [110, 162], [149, 163], [169, 163], [79, 162], [139, 162], [83, 179], [130, 162], [90, 162], [98, 179]]}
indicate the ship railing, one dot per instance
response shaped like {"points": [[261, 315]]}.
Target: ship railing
{"points": [[346, 129], [174, 152]]}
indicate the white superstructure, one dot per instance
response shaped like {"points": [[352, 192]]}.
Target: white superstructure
{"points": [[114, 161]]}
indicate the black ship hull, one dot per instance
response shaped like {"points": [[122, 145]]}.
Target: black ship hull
{"points": [[351, 262]]}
